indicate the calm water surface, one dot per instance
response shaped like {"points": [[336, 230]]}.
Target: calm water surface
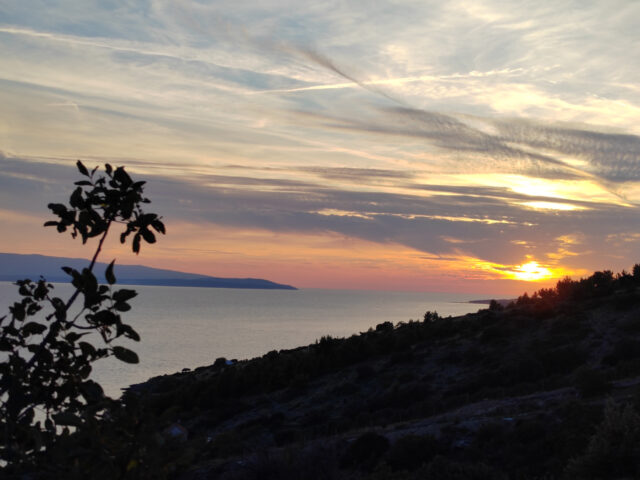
{"points": [[190, 327]]}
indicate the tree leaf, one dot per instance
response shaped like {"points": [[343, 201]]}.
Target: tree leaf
{"points": [[5, 345], [89, 281], [68, 270], [104, 318], [129, 332], [67, 418], [122, 177], [108, 274], [158, 226], [85, 370], [82, 168], [148, 235], [60, 308], [33, 328], [57, 208], [76, 198], [136, 243], [125, 355], [88, 350], [41, 290], [18, 311], [122, 307], [72, 337], [91, 391], [124, 295]]}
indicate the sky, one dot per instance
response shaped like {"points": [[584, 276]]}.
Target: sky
{"points": [[466, 146]]}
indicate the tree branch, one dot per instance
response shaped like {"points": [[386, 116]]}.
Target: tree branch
{"points": [[53, 331]]}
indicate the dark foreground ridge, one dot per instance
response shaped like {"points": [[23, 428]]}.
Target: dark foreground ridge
{"points": [[547, 387], [15, 266]]}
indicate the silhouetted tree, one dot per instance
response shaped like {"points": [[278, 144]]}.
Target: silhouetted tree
{"points": [[47, 359], [636, 272]]}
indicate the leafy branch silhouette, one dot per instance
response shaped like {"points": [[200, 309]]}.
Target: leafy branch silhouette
{"points": [[45, 365]]}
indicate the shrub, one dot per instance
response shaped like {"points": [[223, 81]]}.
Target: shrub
{"points": [[495, 306], [365, 451], [614, 449], [412, 451], [384, 327], [445, 469], [630, 325], [47, 361], [559, 360], [636, 273], [430, 316], [627, 349], [365, 372], [590, 382]]}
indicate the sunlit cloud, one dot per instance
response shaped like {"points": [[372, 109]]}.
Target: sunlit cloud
{"points": [[579, 190], [343, 213], [552, 206]]}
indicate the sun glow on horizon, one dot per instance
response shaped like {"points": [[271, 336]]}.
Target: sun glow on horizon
{"points": [[531, 272]]}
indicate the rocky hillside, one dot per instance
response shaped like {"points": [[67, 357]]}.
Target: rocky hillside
{"points": [[546, 387]]}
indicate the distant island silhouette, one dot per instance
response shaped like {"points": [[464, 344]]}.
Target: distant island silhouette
{"points": [[15, 266]]}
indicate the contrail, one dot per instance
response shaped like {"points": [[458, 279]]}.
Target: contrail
{"points": [[327, 63]]}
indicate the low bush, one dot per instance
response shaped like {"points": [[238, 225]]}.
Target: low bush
{"points": [[591, 382], [365, 451], [412, 451], [614, 449]]}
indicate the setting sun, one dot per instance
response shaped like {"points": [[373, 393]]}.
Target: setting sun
{"points": [[531, 272]]}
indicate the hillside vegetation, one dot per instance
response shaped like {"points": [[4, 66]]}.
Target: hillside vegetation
{"points": [[544, 388], [547, 387]]}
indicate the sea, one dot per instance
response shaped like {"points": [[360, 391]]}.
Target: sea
{"points": [[186, 327]]}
